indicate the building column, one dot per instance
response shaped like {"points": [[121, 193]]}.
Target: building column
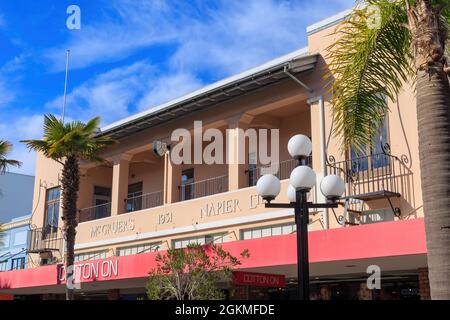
{"points": [[424, 284], [236, 153], [172, 180], [119, 190], [319, 155]]}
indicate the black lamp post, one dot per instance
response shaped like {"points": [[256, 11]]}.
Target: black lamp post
{"points": [[302, 180]]}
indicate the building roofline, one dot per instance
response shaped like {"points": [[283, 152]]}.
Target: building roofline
{"points": [[17, 222], [203, 92], [328, 22], [18, 173]]}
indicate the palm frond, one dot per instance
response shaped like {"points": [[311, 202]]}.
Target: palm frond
{"points": [[5, 149], [73, 138], [368, 64]]}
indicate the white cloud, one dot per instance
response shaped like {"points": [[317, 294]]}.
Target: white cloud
{"points": [[25, 127], [6, 94], [108, 95], [228, 35], [8, 79], [165, 88], [137, 24]]}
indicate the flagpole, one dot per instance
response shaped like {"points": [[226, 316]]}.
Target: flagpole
{"points": [[65, 85]]}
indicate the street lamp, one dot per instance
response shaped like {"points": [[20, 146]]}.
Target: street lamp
{"points": [[301, 181]]}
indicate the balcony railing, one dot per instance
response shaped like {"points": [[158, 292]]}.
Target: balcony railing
{"points": [[145, 201], [284, 170], [95, 212], [44, 240], [373, 176], [203, 188]]}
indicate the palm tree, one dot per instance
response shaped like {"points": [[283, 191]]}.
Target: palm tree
{"points": [[5, 148], [68, 144], [382, 46]]}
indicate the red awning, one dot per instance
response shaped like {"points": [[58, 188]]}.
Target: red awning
{"points": [[387, 239]]}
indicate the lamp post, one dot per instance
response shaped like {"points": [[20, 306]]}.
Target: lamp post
{"points": [[301, 181]]}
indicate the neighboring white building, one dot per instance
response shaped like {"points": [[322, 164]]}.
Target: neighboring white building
{"points": [[16, 195]]}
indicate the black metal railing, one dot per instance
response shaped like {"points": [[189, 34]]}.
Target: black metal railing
{"points": [[44, 240], [145, 201], [372, 174], [203, 188], [282, 170], [95, 212]]}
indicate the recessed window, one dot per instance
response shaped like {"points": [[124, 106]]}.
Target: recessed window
{"points": [[187, 185], [3, 266], [91, 256], [268, 231], [137, 249], [201, 240], [18, 263], [52, 212]]}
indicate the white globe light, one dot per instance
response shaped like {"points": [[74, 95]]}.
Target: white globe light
{"points": [[332, 186], [291, 194], [299, 146], [303, 177], [268, 187]]}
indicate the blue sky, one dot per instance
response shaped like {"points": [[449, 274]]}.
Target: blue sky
{"points": [[130, 55]]}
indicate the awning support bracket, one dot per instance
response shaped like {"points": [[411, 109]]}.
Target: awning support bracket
{"points": [[304, 85]]}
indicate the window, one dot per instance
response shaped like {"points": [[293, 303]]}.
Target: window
{"points": [[268, 231], [141, 248], [187, 184], [20, 238], [3, 266], [52, 212], [372, 156], [134, 198], [91, 256], [201, 240], [102, 201], [4, 240], [18, 263], [252, 169]]}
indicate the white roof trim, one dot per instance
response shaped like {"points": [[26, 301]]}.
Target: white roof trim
{"points": [[23, 221], [328, 22], [272, 63]]}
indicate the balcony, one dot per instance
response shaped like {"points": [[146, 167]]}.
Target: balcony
{"points": [[373, 177], [284, 170], [208, 187], [44, 240], [95, 212], [145, 201]]}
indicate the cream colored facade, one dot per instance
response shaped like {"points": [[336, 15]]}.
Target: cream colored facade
{"points": [[285, 105]]}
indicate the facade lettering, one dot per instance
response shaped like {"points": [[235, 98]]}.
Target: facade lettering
{"points": [[220, 208], [113, 228]]}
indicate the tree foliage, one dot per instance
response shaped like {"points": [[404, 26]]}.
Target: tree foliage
{"points": [[75, 138], [368, 64], [5, 149], [67, 143], [191, 273]]}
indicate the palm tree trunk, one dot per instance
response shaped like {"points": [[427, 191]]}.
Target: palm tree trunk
{"points": [[433, 115], [433, 118], [70, 185]]}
